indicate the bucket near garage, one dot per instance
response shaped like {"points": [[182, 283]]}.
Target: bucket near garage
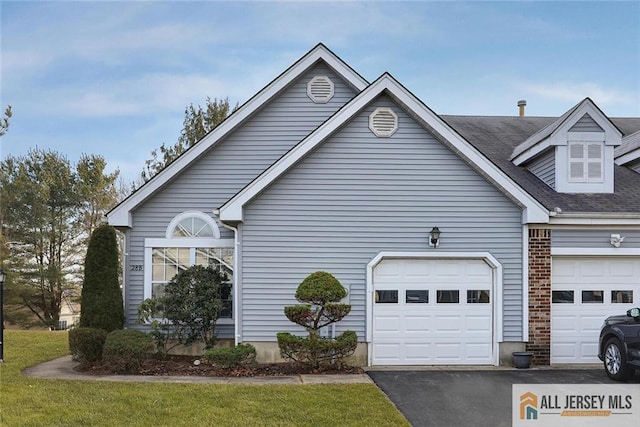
{"points": [[522, 359]]}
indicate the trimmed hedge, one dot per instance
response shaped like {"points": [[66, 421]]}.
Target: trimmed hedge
{"points": [[86, 345], [125, 350], [317, 351], [241, 355]]}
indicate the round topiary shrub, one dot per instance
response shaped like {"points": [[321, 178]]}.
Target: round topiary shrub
{"points": [[86, 345], [125, 350]]}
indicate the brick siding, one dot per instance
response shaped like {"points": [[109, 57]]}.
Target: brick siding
{"points": [[540, 296]]}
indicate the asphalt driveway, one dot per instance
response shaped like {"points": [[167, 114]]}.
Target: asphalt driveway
{"points": [[470, 398]]}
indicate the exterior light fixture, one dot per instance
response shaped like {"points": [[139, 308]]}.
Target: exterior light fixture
{"points": [[2, 277], [616, 239], [434, 237]]}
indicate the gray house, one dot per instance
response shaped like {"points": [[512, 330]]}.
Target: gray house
{"points": [[538, 220]]}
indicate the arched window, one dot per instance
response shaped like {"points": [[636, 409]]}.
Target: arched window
{"points": [[191, 238], [193, 224]]}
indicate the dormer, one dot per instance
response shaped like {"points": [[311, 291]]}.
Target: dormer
{"points": [[575, 153]]}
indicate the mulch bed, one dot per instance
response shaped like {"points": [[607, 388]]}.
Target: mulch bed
{"points": [[184, 366]]}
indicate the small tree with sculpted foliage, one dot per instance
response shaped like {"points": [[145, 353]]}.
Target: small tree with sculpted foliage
{"points": [[321, 293]]}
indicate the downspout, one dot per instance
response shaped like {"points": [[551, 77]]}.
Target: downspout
{"points": [[236, 316]]}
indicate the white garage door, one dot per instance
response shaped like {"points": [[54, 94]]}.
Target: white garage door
{"points": [[584, 292], [432, 312]]}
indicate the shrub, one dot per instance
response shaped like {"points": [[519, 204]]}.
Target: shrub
{"points": [[86, 345], [321, 292], [125, 350], [192, 302], [102, 305], [240, 355], [319, 351]]}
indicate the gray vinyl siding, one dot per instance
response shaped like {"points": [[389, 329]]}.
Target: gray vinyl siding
{"points": [[586, 124], [231, 164], [576, 238], [356, 195], [544, 167]]}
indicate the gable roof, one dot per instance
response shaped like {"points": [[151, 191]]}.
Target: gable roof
{"points": [[232, 210], [120, 216], [497, 137], [540, 140], [629, 150]]}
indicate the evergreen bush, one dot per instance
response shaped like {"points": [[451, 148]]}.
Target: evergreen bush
{"points": [[240, 355], [320, 292], [102, 305], [125, 350], [86, 345]]}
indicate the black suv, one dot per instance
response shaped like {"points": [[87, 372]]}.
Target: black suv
{"points": [[619, 346]]}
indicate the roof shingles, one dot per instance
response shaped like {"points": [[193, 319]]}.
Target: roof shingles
{"points": [[497, 137]]}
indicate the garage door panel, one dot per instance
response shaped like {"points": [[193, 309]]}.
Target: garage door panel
{"points": [[596, 284], [430, 330], [387, 324]]}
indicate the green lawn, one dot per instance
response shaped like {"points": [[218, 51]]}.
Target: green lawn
{"points": [[39, 402]]}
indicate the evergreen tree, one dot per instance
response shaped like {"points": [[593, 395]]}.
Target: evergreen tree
{"points": [[102, 305]]}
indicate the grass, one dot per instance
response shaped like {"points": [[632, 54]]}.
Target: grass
{"points": [[38, 402]]}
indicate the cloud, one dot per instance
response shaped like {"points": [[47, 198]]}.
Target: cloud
{"points": [[574, 92]]}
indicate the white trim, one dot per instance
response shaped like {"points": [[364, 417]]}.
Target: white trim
{"points": [[525, 283], [629, 157], [485, 256], [586, 137], [595, 252], [190, 214], [533, 211], [120, 216], [595, 219], [194, 242]]}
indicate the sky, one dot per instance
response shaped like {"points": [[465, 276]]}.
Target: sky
{"points": [[113, 78]]}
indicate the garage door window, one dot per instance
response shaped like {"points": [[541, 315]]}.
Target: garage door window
{"points": [[562, 297], [448, 297], [592, 297], [622, 297], [478, 296], [387, 297], [417, 296]]}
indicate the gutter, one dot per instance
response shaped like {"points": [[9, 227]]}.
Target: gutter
{"points": [[236, 313]]}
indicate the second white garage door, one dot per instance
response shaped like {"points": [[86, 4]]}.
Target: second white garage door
{"points": [[586, 290], [432, 312]]}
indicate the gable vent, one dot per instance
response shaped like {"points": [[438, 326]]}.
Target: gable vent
{"points": [[383, 122], [320, 89]]}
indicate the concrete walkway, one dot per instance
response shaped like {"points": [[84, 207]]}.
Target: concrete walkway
{"points": [[62, 369]]}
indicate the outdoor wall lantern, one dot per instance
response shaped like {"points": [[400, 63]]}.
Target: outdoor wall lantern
{"points": [[434, 237], [616, 239], [2, 277]]}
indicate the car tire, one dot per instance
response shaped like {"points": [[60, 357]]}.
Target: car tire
{"points": [[615, 361]]}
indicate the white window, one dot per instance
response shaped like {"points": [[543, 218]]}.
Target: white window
{"points": [[585, 162], [193, 238]]}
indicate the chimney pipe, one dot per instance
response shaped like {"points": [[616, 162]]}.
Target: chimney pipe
{"points": [[521, 104]]}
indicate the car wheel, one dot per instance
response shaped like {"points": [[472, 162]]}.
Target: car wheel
{"points": [[615, 361]]}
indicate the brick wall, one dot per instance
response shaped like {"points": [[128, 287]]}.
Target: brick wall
{"points": [[540, 296]]}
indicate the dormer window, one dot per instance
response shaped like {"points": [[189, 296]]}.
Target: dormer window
{"points": [[585, 162]]}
